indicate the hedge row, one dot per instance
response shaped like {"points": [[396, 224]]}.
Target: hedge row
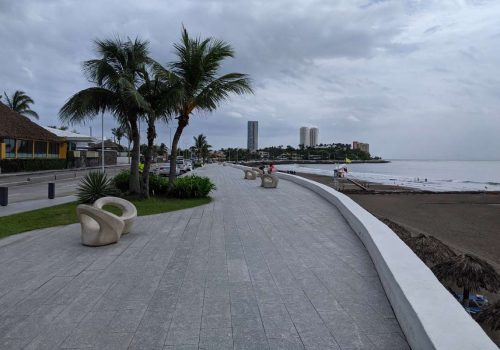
{"points": [[19, 165]]}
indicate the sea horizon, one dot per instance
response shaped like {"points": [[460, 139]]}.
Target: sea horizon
{"points": [[432, 175]]}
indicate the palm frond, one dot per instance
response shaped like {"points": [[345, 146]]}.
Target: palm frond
{"points": [[86, 104]]}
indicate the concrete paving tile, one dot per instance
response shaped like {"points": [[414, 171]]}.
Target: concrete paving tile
{"points": [[251, 274]]}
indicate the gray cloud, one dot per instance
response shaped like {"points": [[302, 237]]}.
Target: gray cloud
{"points": [[412, 78]]}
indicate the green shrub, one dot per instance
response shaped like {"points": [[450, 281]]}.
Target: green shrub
{"points": [[157, 185], [120, 181], [94, 186], [191, 187], [19, 165]]}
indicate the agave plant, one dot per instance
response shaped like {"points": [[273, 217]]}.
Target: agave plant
{"points": [[94, 186]]}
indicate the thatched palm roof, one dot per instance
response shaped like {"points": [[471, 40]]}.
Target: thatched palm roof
{"points": [[491, 316], [402, 232], [430, 249], [14, 125], [470, 272]]}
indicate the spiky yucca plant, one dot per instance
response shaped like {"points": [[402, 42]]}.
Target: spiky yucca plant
{"points": [[94, 186]]}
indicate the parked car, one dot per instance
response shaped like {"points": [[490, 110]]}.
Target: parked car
{"points": [[164, 170], [182, 166]]}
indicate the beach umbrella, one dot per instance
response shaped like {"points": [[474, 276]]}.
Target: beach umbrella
{"points": [[491, 316], [430, 249], [470, 273], [403, 233]]}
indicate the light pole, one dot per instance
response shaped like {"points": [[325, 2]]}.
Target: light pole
{"points": [[102, 140]]}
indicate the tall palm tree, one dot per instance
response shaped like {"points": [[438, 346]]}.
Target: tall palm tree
{"points": [[196, 83], [470, 273], [154, 92], [118, 133], [116, 74], [199, 142], [20, 102]]}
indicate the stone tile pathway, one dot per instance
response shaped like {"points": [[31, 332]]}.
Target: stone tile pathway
{"points": [[255, 269]]}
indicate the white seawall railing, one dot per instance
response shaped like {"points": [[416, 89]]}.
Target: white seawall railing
{"points": [[428, 314]]}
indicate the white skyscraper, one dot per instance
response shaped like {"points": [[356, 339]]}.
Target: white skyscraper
{"points": [[253, 136], [304, 136], [313, 137]]}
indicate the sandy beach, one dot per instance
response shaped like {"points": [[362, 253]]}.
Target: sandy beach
{"points": [[467, 222]]}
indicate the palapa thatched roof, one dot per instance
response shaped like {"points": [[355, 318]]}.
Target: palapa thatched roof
{"points": [[14, 125], [491, 316], [470, 272], [430, 249]]}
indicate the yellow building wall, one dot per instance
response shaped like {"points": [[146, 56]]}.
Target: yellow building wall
{"points": [[63, 150], [2, 150]]}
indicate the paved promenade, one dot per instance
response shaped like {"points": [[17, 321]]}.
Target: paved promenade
{"points": [[255, 269]]}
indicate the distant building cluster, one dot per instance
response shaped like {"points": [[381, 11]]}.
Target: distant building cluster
{"points": [[253, 136], [361, 146], [309, 137]]}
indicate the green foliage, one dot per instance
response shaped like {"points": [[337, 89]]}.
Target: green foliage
{"points": [[191, 187], [20, 102], [18, 165], [120, 181], [157, 184], [94, 186]]}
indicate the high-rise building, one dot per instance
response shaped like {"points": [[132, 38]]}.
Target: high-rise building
{"points": [[313, 137], [304, 136], [365, 147], [253, 136]]}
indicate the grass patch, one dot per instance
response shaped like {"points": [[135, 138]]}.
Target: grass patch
{"points": [[65, 214]]}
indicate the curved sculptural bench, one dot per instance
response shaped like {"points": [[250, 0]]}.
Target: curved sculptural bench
{"points": [[129, 211], [269, 181], [99, 227], [258, 172], [250, 174]]}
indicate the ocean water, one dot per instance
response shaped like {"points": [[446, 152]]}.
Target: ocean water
{"points": [[440, 175]]}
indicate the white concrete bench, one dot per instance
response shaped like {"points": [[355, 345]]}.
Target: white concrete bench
{"points": [[250, 174], [99, 227], [269, 181], [129, 211]]}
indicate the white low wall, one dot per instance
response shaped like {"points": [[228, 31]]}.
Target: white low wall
{"points": [[428, 314]]}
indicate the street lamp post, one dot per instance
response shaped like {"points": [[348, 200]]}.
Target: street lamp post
{"points": [[102, 140]]}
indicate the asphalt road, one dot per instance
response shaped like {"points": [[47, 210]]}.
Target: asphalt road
{"points": [[39, 190]]}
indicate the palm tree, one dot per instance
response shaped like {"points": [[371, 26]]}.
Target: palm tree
{"points": [[116, 74], [196, 85], [20, 102], [491, 316], [118, 133], [154, 92], [199, 142], [430, 249], [470, 273]]}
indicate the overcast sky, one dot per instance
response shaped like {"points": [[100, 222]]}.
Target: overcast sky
{"points": [[415, 79]]}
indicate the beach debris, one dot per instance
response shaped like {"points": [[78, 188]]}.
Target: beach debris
{"points": [[470, 273], [491, 316], [430, 249]]}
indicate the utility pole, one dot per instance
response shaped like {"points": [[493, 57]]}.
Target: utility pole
{"points": [[102, 140]]}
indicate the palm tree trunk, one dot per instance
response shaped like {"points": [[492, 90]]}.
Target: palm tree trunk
{"points": [[134, 185], [465, 301], [173, 153], [148, 155]]}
